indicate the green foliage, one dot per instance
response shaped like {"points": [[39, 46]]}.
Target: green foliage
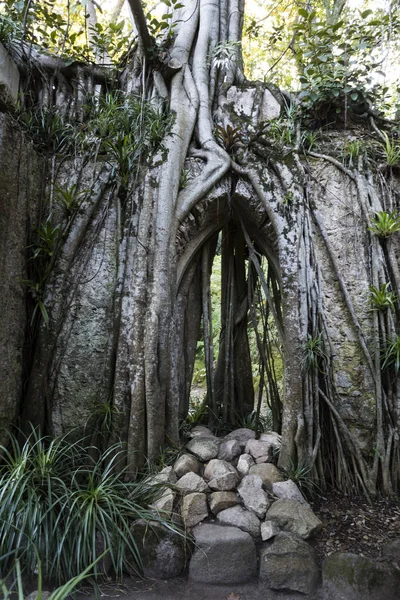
{"points": [[60, 503], [230, 138], [385, 224], [382, 298], [69, 199], [223, 54], [352, 150], [249, 422], [302, 477], [391, 150], [313, 353], [161, 27], [391, 354]]}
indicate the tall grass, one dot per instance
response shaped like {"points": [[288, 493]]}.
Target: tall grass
{"points": [[61, 505]]}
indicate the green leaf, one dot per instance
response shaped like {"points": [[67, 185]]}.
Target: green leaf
{"points": [[303, 13], [366, 13]]}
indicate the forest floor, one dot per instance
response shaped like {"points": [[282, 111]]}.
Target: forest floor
{"points": [[350, 524]]}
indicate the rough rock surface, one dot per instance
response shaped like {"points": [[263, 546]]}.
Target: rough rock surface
{"points": [[260, 451], [244, 463], [194, 509], [191, 482], [222, 500], [289, 490], [241, 435], [241, 518], [269, 529], [391, 551], [186, 463], [352, 577], [294, 517], [201, 431], [289, 563], [162, 551], [253, 496], [203, 448], [229, 450], [222, 555], [221, 475], [165, 502], [268, 473]]}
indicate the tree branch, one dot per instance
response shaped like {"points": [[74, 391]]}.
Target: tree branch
{"points": [[141, 25]]}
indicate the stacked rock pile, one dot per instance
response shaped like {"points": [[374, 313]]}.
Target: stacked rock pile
{"points": [[244, 517]]}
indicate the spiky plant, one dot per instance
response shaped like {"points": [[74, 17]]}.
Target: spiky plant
{"points": [[385, 224], [382, 298]]}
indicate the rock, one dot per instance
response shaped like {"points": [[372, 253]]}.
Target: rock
{"points": [[203, 448], [241, 518], [289, 490], [221, 475], [34, 595], [260, 451], [269, 529], [391, 551], [253, 496], [9, 79], [162, 551], [242, 436], [222, 500], [222, 555], [270, 107], [294, 517], [186, 463], [244, 463], [272, 438], [201, 431], [194, 509], [268, 473], [229, 450], [165, 502], [191, 482], [166, 475], [289, 564], [349, 576]]}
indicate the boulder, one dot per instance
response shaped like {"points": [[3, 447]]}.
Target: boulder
{"points": [[194, 509], [244, 463], [273, 438], [221, 475], [204, 448], [241, 435], [191, 482], [253, 496], [162, 551], [222, 500], [269, 529], [260, 451], [294, 517], [166, 475], [186, 463], [43, 596], [229, 450], [289, 490], [241, 518], [268, 473], [289, 564], [165, 503], [349, 576], [222, 555], [201, 431]]}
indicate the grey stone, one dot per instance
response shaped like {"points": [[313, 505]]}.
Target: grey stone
{"points": [[222, 500], [221, 475], [229, 450], [165, 503], [241, 518], [253, 496], [166, 475], [222, 555], [201, 431], [391, 551], [162, 551], [244, 463], [241, 435], [269, 529], [204, 448], [289, 564], [289, 490], [191, 482], [294, 517], [268, 473], [352, 577], [260, 451], [270, 108], [194, 509], [34, 595], [186, 463], [272, 438]]}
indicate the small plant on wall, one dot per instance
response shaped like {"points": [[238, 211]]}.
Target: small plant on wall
{"points": [[385, 224]]}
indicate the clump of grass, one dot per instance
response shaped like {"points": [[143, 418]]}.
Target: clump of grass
{"points": [[313, 352], [385, 224], [382, 298], [62, 505], [391, 354], [301, 474]]}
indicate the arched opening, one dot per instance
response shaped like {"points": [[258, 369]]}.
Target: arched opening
{"points": [[232, 329]]}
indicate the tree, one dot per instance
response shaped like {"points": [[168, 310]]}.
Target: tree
{"points": [[217, 166]]}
